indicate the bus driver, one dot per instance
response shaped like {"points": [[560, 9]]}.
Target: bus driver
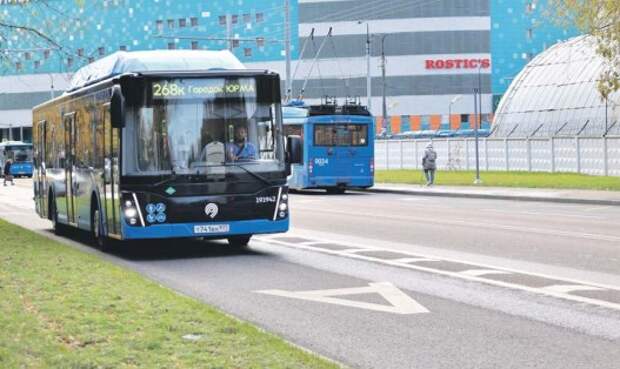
{"points": [[241, 149]]}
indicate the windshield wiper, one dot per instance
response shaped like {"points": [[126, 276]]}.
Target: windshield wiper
{"points": [[255, 175], [172, 178]]}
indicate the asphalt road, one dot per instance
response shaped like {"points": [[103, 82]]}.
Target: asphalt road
{"points": [[434, 282]]}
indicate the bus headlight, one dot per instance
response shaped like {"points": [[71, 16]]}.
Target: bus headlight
{"points": [[283, 206], [131, 212]]}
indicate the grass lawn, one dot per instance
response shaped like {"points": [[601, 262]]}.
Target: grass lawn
{"points": [[63, 309], [503, 179]]}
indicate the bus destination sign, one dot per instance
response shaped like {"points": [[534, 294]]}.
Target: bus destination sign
{"points": [[203, 88]]}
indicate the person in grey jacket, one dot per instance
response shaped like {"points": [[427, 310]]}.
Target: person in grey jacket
{"points": [[429, 164]]}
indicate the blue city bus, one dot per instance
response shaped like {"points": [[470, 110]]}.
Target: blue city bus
{"points": [[338, 146], [165, 144], [20, 154]]}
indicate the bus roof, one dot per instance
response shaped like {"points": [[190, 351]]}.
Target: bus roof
{"points": [[14, 143], [153, 60]]}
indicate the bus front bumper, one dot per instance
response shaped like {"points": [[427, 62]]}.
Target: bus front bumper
{"points": [[348, 182], [208, 230]]}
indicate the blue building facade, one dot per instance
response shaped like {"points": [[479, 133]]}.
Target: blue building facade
{"points": [[520, 30], [87, 30]]}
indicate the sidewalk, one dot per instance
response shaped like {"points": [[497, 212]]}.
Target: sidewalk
{"points": [[611, 198]]}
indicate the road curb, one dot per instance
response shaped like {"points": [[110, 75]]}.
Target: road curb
{"points": [[495, 197]]}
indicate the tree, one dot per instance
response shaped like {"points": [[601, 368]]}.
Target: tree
{"points": [[601, 19]]}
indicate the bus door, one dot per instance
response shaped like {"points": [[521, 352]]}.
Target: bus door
{"points": [[41, 180], [110, 197], [69, 125]]}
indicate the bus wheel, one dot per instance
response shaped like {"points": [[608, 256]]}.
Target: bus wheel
{"points": [[239, 242], [59, 229], [102, 242]]}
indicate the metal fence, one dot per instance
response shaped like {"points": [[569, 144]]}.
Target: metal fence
{"points": [[588, 155]]}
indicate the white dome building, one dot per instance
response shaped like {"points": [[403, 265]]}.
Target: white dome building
{"points": [[555, 95]]}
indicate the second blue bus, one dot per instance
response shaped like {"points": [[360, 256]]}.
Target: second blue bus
{"points": [[338, 146]]}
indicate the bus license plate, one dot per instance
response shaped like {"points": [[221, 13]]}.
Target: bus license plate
{"points": [[212, 228]]}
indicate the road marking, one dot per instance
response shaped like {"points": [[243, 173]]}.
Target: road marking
{"points": [[400, 303], [413, 260], [568, 288], [474, 278], [483, 272]]}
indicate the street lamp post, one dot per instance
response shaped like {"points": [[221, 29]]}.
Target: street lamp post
{"points": [[477, 95], [606, 121], [454, 100], [368, 71], [383, 79]]}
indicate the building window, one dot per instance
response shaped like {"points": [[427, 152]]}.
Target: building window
{"points": [[465, 118], [69, 62], [46, 54], [247, 18], [182, 23], [80, 52], [91, 59], [101, 51], [235, 19], [122, 48], [171, 46], [28, 55], [18, 66], [260, 41], [159, 25], [194, 21], [235, 43], [170, 23], [260, 17], [247, 52], [37, 64], [222, 20], [194, 45]]}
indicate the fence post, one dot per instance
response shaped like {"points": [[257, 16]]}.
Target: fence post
{"points": [[552, 143], [466, 153], [449, 161], [529, 154], [578, 152], [387, 154], [605, 157], [486, 153], [415, 153], [401, 154], [506, 154]]}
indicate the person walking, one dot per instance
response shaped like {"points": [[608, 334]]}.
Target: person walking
{"points": [[7, 172], [429, 164]]}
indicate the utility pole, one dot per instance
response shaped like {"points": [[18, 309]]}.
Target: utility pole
{"points": [[606, 121], [384, 82], [287, 47], [477, 96], [368, 71]]}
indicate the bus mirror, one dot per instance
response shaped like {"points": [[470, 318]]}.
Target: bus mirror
{"points": [[294, 150], [116, 108]]}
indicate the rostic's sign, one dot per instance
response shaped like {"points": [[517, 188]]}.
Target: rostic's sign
{"points": [[13, 2], [458, 63]]}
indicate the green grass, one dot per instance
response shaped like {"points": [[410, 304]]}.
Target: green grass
{"points": [[63, 309], [503, 179]]}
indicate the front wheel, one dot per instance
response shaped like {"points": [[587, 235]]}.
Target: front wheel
{"points": [[59, 229], [102, 242], [239, 242]]}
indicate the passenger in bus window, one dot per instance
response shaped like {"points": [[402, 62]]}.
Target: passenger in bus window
{"points": [[241, 148]]}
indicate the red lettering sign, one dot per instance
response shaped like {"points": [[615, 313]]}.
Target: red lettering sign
{"points": [[458, 63]]}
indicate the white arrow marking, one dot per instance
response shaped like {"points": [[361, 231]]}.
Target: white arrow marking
{"points": [[568, 288], [400, 302], [482, 272]]}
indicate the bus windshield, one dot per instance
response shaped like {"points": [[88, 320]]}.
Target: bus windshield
{"points": [[344, 134], [203, 126], [18, 153]]}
